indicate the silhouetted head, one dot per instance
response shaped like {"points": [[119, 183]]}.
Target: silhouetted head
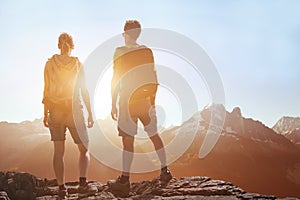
{"points": [[65, 43], [132, 28]]}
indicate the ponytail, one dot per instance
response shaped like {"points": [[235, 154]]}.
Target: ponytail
{"points": [[65, 47], [65, 42]]}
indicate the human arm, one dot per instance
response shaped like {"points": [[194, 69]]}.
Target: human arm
{"points": [[115, 85], [114, 96], [86, 97], [152, 88], [45, 95], [45, 120]]}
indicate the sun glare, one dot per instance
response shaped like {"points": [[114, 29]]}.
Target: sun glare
{"points": [[102, 98], [168, 107]]}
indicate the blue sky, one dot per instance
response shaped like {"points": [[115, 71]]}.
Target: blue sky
{"points": [[254, 44]]}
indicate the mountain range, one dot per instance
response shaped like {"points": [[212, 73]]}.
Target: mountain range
{"points": [[249, 154]]}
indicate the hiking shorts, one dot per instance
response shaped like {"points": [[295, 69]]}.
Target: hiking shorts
{"points": [[129, 114], [60, 120]]}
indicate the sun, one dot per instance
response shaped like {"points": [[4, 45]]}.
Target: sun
{"points": [[102, 97]]}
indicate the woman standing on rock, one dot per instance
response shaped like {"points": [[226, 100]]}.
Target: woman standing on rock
{"points": [[64, 84]]}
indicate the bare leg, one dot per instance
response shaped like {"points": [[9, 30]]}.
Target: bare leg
{"points": [[58, 161], [160, 150], [128, 149], [84, 160]]}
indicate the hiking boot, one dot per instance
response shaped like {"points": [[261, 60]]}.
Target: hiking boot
{"points": [[119, 188], [165, 175], [87, 189], [62, 193]]}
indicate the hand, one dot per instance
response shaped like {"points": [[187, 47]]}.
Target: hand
{"points": [[114, 113], [45, 121], [90, 121]]}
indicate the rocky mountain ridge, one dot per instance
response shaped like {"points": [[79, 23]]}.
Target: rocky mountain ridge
{"points": [[289, 127], [294, 135], [24, 186], [286, 124], [247, 153]]}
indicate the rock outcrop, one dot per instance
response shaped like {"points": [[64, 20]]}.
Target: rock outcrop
{"points": [[286, 124], [294, 136], [24, 186], [289, 127]]}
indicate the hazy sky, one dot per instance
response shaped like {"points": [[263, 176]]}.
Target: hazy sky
{"points": [[254, 44]]}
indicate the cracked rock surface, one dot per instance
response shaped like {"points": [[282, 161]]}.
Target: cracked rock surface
{"points": [[21, 186]]}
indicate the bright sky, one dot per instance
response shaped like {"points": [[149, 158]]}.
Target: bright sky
{"points": [[254, 44]]}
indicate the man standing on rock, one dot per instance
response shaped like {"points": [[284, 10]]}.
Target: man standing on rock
{"points": [[135, 83], [64, 84]]}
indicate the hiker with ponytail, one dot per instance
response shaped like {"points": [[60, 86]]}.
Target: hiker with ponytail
{"points": [[64, 86]]}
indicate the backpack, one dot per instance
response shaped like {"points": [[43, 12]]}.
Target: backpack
{"points": [[61, 81], [138, 74]]}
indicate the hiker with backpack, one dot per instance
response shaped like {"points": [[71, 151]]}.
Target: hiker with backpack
{"points": [[135, 83], [64, 85]]}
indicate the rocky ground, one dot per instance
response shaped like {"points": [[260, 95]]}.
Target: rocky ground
{"points": [[21, 186]]}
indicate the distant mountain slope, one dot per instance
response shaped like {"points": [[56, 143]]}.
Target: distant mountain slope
{"points": [[248, 153], [290, 128], [294, 135], [286, 124]]}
